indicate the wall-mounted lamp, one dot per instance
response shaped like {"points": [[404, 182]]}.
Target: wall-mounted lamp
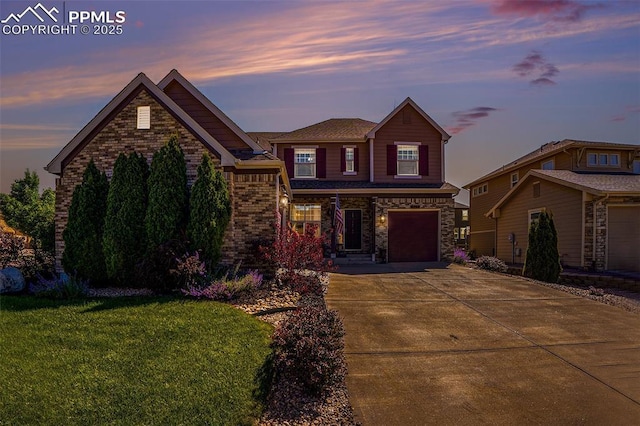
{"points": [[284, 200], [383, 219]]}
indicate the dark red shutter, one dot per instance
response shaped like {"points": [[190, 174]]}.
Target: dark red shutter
{"points": [[392, 160], [343, 159], [356, 162], [423, 161], [321, 163], [289, 162]]}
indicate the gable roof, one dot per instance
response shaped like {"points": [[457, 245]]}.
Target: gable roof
{"points": [[546, 150], [409, 101], [263, 138], [174, 75], [55, 166], [334, 129], [598, 184]]}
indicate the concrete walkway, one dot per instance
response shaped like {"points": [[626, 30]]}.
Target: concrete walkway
{"points": [[431, 344]]}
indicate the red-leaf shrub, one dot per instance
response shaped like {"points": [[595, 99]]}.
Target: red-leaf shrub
{"points": [[308, 349], [295, 254]]}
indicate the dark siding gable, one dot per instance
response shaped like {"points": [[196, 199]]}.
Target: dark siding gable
{"points": [[423, 160], [392, 160]]}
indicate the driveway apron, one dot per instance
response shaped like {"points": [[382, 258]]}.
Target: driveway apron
{"points": [[437, 344]]}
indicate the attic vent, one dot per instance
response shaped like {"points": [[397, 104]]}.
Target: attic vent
{"points": [[144, 117]]}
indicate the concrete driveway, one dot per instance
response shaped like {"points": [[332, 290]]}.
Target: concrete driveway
{"points": [[431, 344]]}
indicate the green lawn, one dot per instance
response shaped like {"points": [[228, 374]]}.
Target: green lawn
{"points": [[129, 361]]}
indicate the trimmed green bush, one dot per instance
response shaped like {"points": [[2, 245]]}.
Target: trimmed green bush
{"points": [[542, 260], [210, 212], [83, 253], [167, 210], [124, 240]]}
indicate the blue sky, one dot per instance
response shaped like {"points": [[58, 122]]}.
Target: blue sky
{"points": [[502, 76]]}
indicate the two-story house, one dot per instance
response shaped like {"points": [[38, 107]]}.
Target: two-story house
{"points": [[591, 188], [388, 176]]}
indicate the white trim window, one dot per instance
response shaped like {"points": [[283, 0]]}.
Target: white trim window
{"points": [[480, 189], [143, 117], [304, 162], [304, 215], [603, 159], [514, 179], [534, 214], [349, 159], [408, 156]]}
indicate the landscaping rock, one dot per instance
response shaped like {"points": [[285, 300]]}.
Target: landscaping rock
{"points": [[11, 280]]}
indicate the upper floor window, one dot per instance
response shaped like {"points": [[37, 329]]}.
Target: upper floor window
{"points": [[514, 179], [480, 189], [407, 160], [305, 163], [548, 165], [636, 167], [349, 160], [144, 117], [603, 159]]}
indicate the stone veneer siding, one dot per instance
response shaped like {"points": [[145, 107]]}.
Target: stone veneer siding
{"points": [[346, 202], [447, 221], [250, 194], [599, 243]]}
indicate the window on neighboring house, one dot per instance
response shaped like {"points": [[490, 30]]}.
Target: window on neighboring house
{"points": [[349, 160], [463, 233], [407, 160], [304, 215], [144, 117], [636, 167], [514, 179], [456, 233], [305, 163], [465, 214], [534, 215], [603, 160], [480, 189], [548, 165]]}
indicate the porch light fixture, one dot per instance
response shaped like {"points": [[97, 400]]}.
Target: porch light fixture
{"points": [[284, 200], [383, 219]]}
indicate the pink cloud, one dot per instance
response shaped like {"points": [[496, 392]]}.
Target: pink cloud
{"points": [[535, 65], [555, 10], [468, 118]]}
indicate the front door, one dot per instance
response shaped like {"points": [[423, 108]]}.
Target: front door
{"points": [[353, 229]]}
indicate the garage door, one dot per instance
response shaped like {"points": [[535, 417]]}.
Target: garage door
{"points": [[413, 236], [624, 238]]}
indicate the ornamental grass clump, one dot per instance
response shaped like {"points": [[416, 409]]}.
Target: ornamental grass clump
{"points": [[491, 264], [59, 287], [226, 288]]}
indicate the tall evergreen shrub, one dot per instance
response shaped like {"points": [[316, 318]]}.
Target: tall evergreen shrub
{"points": [[167, 211], [542, 260], [83, 253], [210, 211], [124, 238]]}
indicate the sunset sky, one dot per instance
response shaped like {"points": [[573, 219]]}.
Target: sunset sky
{"points": [[503, 77]]}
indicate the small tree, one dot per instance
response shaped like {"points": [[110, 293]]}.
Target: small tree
{"points": [[542, 260], [25, 209], [168, 195], [293, 254], [210, 211], [83, 253], [124, 240]]}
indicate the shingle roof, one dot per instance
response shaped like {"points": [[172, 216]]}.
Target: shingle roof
{"points": [[600, 182], [334, 129], [545, 150], [247, 154], [262, 138]]}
